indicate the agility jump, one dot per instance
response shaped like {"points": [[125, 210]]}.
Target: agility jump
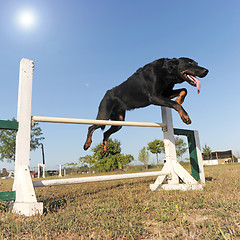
{"points": [[26, 202]]}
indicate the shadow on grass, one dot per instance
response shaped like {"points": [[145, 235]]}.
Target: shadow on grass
{"points": [[209, 179], [4, 206], [52, 205]]}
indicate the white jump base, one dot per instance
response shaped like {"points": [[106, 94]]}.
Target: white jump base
{"points": [[68, 181], [26, 201]]}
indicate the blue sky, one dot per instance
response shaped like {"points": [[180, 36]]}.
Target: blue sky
{"points": [[83, 48]]}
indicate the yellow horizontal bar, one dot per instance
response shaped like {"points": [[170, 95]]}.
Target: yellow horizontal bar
{"points": [[96, 122]]}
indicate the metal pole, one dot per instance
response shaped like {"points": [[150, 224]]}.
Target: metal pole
{"points": [[43, 156]]}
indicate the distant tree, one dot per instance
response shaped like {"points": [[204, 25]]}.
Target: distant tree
{"points": [[113, 159], [144, 156], [236, 156], [207, 151], [156, 147], [180, 146], [71, 164], [8, 142], [235, 159]]}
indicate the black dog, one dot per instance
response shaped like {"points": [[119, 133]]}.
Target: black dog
{"points": [[151, 84]]}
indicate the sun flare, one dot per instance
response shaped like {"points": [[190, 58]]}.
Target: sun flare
{"points": [[26, 19]]}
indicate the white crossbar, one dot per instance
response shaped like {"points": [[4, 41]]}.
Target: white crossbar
{"points": [[96, 122], [66, 181]]}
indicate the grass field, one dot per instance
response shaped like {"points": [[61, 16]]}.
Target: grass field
{"points": [[129, 210]]}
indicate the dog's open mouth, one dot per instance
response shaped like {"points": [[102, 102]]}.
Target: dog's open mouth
{"points": [[193, 81]]}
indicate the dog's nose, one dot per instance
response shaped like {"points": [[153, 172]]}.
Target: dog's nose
{"points": [[205, 72]]}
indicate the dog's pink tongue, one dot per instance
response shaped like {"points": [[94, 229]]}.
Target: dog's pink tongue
{"points": [[198, 83]]}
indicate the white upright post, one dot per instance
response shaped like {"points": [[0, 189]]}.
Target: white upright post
{"points": [[43, 171], [41, 167], [170, 151], [171, 165], [25, 202], [60, 171], [169, 144]]}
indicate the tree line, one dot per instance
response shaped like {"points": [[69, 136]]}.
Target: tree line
{"points": [[113, 159], [157, 147]]}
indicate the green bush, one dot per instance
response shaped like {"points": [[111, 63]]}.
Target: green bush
{"points": [[112, 160]]}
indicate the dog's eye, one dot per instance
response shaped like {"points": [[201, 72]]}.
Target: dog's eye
{"points": [[191, 63]]}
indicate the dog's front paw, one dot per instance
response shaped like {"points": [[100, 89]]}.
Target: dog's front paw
{"points": [[186, 119]]}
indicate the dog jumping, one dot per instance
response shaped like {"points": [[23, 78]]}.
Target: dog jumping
{"points": [[151, 84]]}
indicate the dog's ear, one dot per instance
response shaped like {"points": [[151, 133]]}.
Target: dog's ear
{"points": [[170, 64]]}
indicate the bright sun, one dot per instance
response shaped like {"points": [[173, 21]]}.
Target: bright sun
{"points": [[26, 19]]}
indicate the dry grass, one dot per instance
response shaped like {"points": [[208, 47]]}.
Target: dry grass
{"points": [[129, 210]]}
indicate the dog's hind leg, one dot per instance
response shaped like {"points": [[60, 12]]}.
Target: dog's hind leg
{"points": [[104, 113], [117, 117], [88, 142]]}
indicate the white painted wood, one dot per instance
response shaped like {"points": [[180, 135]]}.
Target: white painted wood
{"points": [[210, 162], [27, 209], [170, 152], [189, 183], [60, 171], [169, 143], [41, 167], [97, 122], [183, 187], [160, 179], [171, 165], [67, 181], [25, 194], [184, 174], [199, 156]]}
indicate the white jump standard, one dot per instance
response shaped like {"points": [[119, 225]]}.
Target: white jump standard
{"points": [[26, 202]]}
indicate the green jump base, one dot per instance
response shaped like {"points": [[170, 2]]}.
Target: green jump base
{"points": [[7, 196]]}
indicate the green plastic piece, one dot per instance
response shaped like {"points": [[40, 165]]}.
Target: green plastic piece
{"points": [[7, 196], [192, 151], [8, 125]]}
